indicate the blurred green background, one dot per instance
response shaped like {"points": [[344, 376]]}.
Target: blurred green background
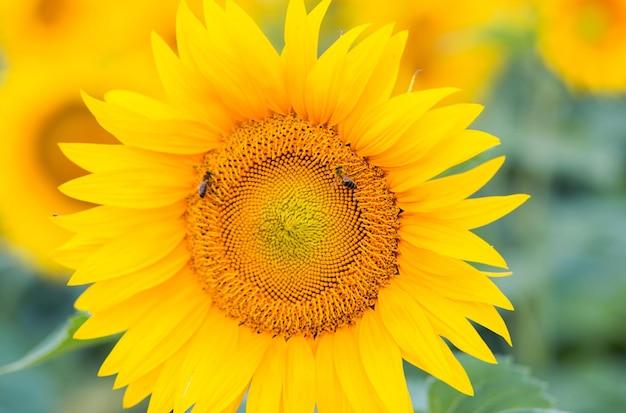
{"points": [[566, 147]]}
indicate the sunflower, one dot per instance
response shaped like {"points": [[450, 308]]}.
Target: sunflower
{"points": [[54, 29], [53, 49], [38, 111], [584, 41], [278, 227]]}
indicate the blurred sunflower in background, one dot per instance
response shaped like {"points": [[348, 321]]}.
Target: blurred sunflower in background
{"points": [[52, 49], [584, 42], [91, 30], [38, 112], [279, 225], [450, 43]]}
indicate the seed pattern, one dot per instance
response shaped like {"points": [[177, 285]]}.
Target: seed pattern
{"points": [[279, 243]]}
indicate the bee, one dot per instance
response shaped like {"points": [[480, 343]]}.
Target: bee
{"points": [[342, 174], [205, 184]]}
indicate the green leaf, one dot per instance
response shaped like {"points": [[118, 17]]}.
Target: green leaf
{"points": [[499, 388], [531, 410], [57, 343]]}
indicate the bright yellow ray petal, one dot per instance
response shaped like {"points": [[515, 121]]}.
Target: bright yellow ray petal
{"points": [[95, 157], [487, 316], [121, 288], [164, 392], [132, 251], [476, 212], [300, 51], [360, 64], [213, 344], [215, 54], [431, 262], [450, 152], [447, 319], [212, 54], [448, 190], [450, 277], [323, 85], [380, 85], [180, 136], [437, 127], [153, 340], [330, 398], [141, 388], [299, 376], [351, 373], [379, 129], [266, 387], [433, 128], [410, 328], [450, 241], [141, 104], [109, 221], [383, 363], [188, 90], [262, 63], [234, 406], [132, 188], [74, 252], [122, 316], [223, 383]]}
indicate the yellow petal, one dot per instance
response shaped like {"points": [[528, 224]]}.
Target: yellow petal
{"points": [[136, 102], [381, 128], [383, 363], [448, 190], [73, 253], [300, 51], [189, 90], [360, 64], [224, 381], [381, 82], [154, 339], [449, 241], [217, 55], [263, 65], [265, 393], [487, 316], [432, 130], [453, 278], [351, 373], [133, 188], [447, 318], [212, 345], [450, 152], [95, 157], [323, 85], [164, 393], [123, 315], [476, 212], [121, 288], [330, 397], [133, 251], [412, 330], [234, 406], [299, 377], [141, 388], [180, 136], [109, 221]]}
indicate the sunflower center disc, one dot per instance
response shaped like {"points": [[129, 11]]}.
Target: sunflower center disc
{"points": [[290, 231]]}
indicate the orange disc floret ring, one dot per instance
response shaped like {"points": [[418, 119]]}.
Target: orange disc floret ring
{"points": [[288, 222]]}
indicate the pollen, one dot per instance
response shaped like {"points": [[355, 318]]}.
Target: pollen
{"points": [[290, 231]]}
